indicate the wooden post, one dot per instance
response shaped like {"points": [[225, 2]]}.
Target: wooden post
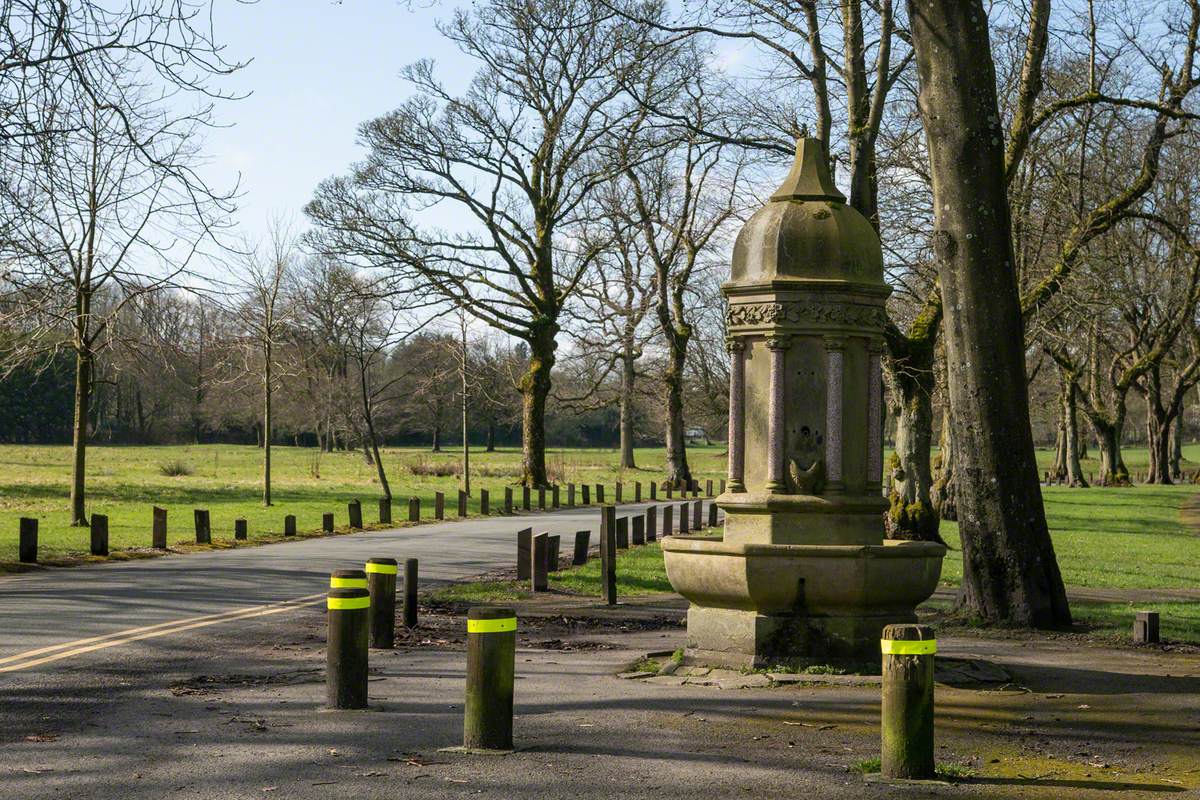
{"points": [[668, 513], [570, 495], [381, 583], [653, 490], [525, 499], [708, 487], [712, 515], [907, 710], [683, 518], [1145, 627], [348, 579], [587, 494], [697, 515], [99, 529], [27, 547], [537, 571], [553, 552], [541, 498], [722, 486], [554, 496], [414, 509], [652, 523], [617, 491], [439, 505], [599, 494], [241, 528], [385, 511], [637, 491], [462, 503], [638, 533], [203, 528], [623, 533], [508, 501], [583, 541], [484, 503], [346, 648], [289, 525], [491, 671], [608, 555], [354, 509], [159, 534], [670, 490], [327, 522], [410, 593], [524, 543]]}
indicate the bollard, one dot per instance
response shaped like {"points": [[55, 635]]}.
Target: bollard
{"points": [[653, 490], [695, 488], [583, 541], [410, 593], [385, 511], [554, 496], [346, 648], [240, 528], [708, 486], [462, 503], [599, 494], [99, 527], [670, 490], [608, 555], [1145, 627], [508, 501], [381, 583], [697, 515], [638, 533], [289, 525], [907, 707], [524, 539], [327, 522], [537, 568], [355, 511], [637, 491], [712, 515], [722, 486], [347, 579], [617, 492], [159, 535], [491, 670], [541, 498], [27, 547], [651, 524], [525, 498], [570, 495], [683, 518], [414, 509], [203, 527], [553, 552], [623, 533], [587, 494], [439, 505], [668, 513], [484, 503]]}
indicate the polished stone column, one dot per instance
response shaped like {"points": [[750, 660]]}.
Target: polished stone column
{"points": [[737, 412], [874, 419], [776, 482], [835, 364]]}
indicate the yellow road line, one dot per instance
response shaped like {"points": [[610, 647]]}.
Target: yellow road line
{"points": [[80, 646]]}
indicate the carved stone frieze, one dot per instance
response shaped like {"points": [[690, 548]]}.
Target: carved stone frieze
{"points": [[799, 312]]}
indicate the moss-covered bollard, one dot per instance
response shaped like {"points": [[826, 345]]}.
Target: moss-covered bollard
{"points": [[410, 593], [347, 579], [159, 532], [27, 546], [385, 511], [241, 529], [608, 555], [907, 713], [289, 525], [583, 542], [327, 522], [381, 583], [203, 526], [354, 509], [346, 648], [491, 670], [99, 530]]}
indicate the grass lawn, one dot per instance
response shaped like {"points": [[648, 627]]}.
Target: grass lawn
{"points": [[125, 482]]}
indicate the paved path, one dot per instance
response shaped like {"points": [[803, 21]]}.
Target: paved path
{"points": [[57, 616]]}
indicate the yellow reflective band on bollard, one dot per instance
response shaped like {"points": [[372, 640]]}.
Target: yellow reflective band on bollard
{"points": [[896, 647], [347, 583], [382, 569], [491, 625], [348, 603]]}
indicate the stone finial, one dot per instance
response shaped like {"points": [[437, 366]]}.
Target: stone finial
{"points": [[809, 177]]}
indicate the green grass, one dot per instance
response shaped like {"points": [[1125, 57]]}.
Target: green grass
{"points": [[945, 772], [125, 482]]}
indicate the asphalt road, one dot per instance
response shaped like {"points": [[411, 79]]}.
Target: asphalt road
{"points": [[64, 616]]}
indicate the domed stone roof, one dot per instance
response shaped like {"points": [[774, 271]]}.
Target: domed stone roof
{"points": [[806, 231]]}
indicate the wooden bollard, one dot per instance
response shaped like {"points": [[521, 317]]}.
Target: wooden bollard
{"points": [[697, 515], [617, 492], [484, 503], [651, 524], [410, 593], [708, 487], [524, 543], [637, 491], [27, 546], [583, 542], [348, 579], [670, 490], [712, 515], [414, 509], [570, 495], [722, 486], [381, 583], [541, 498], [346, 648], [289, 525], [327, 522], [608, 555], [907, 708], [439, 505], [385, 511], [553, 552], [462, 503], [525, 506], [653, 490], [554, 496], [586, 491], [668, 513], [637, 534], [683, 518], [537, 569], [203, 526], [1145, 627], [508, 500], [99, 530], [241, 529], [623, 533], [354, 509], [491, 671], [159, 532], [599, 494]]}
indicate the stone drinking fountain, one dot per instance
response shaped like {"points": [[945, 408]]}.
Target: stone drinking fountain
{"points": [[803, 574]]}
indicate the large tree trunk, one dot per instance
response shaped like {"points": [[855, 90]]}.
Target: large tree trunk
{"points": [[535, 388], [1176, 465], [628, 377], [1112, 465], [678, 472], [911, 515], [83, 387], [1158, 436], [1010, 573], [944, 485]]}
